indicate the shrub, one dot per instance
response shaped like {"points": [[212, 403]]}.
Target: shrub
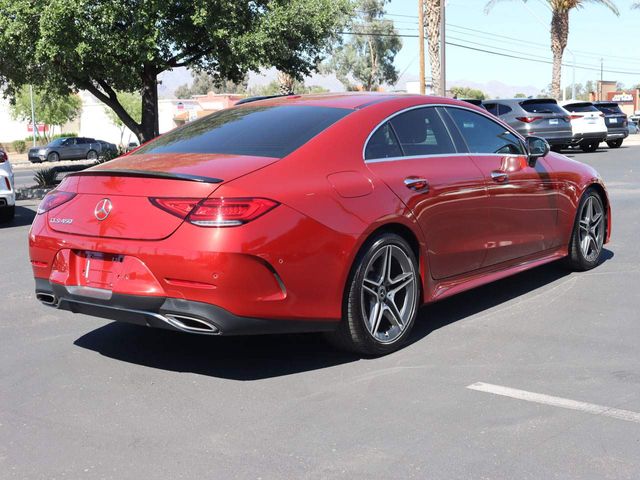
{"points": [[20, 146], [46, 177]]}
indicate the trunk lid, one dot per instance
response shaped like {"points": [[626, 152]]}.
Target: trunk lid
{"points": [[112, 199]]}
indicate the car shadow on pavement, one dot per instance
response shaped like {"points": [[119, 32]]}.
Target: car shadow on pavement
{"points": [[24, 216], [266, 356]]}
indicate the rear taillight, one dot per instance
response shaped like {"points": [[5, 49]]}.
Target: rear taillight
{"points": [[601, 114], [7, 183], [528, 119], [3, 157], [54, 199], [216, 212], [575, 117]]}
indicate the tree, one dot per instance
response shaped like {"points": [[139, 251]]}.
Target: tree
{"points": [[132, 103], [52, 110], [432, 12], [275, 88], [204, 83], [367, 56], [105, 46], [560, 31], [468, 93], [520, 95]]}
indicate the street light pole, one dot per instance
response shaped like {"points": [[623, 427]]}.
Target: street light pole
{"points": [[443, 47], [421, 45], [33, 115]]}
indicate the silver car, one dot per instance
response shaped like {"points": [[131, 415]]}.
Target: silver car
{"points": [[71, 148], [7, 189], [541, 117]]}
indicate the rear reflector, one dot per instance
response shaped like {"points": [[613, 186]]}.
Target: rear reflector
{"points": [[215, 212], [54, 199], [528, 119], [6, 181]]}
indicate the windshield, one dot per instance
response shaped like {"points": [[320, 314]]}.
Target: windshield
{"points": [[262, 131]]}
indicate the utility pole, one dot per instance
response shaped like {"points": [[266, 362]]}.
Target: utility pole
{"points": [[601, 78], [443, 56], [33, 115], [421, 45]]}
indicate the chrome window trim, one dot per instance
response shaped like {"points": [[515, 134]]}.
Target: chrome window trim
{"points": [[487, 115]]}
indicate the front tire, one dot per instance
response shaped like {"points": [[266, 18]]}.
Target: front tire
{"points": [[382, 298], [589, 231], [615, 143], [53, 157]]}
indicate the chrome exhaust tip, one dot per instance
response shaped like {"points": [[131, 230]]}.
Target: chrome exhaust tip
{"points": [[190, 324], [46, 298]]}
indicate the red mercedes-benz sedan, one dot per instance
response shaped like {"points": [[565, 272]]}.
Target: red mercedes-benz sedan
{"points": [[337, 213]]}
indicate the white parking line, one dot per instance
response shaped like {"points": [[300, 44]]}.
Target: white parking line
{"points": [[592, 408]]}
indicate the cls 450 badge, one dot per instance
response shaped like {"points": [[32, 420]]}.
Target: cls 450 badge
{"points": [[66, 221]]}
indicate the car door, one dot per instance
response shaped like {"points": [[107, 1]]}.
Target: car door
{"points": [[70, 150], [414, 154], [523, 202]]}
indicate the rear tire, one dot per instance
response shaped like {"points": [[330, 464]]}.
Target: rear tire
{"points": [[589, 147], [7, 214], [381, 299], [589, 232], [92, 155], [615, 143]]}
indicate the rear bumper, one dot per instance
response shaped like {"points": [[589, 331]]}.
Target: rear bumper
{"points": [[588, 137], [168, 313], [617, 133]]}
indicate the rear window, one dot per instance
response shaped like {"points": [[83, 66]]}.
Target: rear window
{"points": [[541, 106], [609, 108], [262, 131], [581, 107]]}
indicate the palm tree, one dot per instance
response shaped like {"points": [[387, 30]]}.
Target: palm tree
{"points": [[560, 31], [432, 26]]}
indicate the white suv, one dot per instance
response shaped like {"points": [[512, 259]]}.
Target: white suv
{"points": [[587, 124], [7, 190]]}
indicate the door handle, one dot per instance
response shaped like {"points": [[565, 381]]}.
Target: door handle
{"points": [[417, 184], [499, 177]]}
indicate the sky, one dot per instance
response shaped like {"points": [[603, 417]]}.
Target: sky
{"points": [[595, 32], [512, 27]]}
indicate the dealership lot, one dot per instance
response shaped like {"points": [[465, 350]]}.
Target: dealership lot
{"points": [[535, 376]]}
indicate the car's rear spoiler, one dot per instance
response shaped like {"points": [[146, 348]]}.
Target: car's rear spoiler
{"points": [[145, 174]]}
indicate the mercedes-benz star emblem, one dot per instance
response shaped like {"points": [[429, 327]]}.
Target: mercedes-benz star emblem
{"points": [[103, 209]]}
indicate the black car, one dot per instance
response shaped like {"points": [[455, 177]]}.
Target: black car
{"points": [[616, 122]]}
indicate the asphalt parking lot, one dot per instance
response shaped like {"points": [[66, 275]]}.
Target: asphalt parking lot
{"points": [[533, 377]]}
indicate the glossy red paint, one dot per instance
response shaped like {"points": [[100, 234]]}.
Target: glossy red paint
{"points": [[294, 261]]}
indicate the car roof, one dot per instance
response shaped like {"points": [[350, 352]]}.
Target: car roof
{"points": [[350, 100], [520, 100], [575, 102]]}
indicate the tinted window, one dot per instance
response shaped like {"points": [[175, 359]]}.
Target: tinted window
{"points": [[422, 132], [491, 108], [504, 109], [483, 135], [581, 107], [541, 106], [610, 108], [263, 131], [383, 144]]}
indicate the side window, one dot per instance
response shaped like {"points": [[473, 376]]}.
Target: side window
{"points": [[382, 144], [491, 108], [504, 109], [483, 135], [422, 132]]}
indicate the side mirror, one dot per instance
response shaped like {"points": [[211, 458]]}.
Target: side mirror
{"points": [[537, 147]]}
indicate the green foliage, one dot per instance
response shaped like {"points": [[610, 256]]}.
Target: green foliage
{"points": [[132, 105], [50, 108], [466, 92], [20, 146], [520, 95], [46, 177], [273, 88], [367, 56], [204, 83], [106, 46]]}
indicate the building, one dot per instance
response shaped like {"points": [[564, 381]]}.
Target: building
{"points": [[629, 100], [94, 122]]}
